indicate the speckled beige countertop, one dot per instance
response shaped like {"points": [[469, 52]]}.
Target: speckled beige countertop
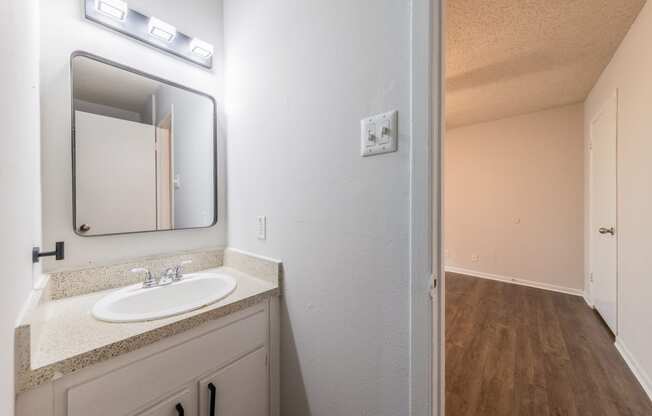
{"points": [[60, 336]]}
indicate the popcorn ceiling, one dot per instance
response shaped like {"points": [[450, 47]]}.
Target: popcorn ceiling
{"points": [[511, 57]]}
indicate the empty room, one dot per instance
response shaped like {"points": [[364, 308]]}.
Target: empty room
{"points": [[546, 200]]}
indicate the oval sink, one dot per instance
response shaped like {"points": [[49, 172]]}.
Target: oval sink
{"points": [[135, 304]]}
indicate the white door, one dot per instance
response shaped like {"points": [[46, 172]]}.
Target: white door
{"points": [[115, 174], [603, 231]]}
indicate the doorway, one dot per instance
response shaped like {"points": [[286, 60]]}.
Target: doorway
{"points": [[532, 247], [165, 174]]}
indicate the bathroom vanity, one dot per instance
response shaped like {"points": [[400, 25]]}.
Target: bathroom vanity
{"points": [[220, 359], [145, 337]]}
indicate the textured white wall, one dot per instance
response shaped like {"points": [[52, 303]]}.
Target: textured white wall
{"points": [[630, 72], [19, 174], [63, 31], [514, 197], [301, 75]]}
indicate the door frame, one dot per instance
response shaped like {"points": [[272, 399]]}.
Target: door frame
{"points": [[425, 234], [167, 120], [589, 211], [439, 214]]}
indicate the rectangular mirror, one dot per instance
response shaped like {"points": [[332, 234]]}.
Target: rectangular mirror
{"points": [[144, 151]]}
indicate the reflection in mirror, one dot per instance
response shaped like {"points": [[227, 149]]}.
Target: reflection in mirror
{"points": [[144, 152]]}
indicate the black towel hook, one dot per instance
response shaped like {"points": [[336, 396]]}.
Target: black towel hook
{"points": [[58, 252]]}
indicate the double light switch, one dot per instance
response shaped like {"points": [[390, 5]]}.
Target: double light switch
{"points": [[379, 134]]}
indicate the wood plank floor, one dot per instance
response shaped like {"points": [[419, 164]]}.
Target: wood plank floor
{"points": [[519, 351]]}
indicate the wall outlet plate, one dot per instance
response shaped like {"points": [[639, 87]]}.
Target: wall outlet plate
{"points": [[379, 134], [261, 226]]}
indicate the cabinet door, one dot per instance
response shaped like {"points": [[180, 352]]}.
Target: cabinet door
{"points": [[182, 403], [239, 389]]}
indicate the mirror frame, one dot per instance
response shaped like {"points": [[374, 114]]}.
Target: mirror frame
{"points": [[117, 65]]}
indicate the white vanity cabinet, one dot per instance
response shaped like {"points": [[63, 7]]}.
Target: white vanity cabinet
{"points": [[235, 389], [231, 362]]}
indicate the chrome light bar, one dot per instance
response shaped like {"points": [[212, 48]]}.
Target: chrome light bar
{"points": [[116, 15]]}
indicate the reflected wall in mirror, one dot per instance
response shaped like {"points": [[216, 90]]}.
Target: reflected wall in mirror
{"points": [[144, 151]]}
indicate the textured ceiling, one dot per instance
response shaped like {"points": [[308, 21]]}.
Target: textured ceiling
{"points": [[510, 57]]}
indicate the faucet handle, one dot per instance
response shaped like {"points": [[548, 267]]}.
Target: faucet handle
{"points": [[178, 270], [149, 281]]}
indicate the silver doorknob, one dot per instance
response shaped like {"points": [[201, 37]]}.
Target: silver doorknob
{"points": [[604, 230]]}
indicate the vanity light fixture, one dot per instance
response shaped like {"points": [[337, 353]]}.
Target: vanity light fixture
{"points": [[201, 48], [161, 30], [116, 9], [117, 16]]}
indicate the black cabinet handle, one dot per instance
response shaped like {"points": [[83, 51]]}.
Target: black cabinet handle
{"points": [[213, 392], [179, 409]]}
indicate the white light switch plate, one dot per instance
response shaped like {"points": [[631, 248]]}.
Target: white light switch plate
{"points": [[261, 223], [379, 134]]}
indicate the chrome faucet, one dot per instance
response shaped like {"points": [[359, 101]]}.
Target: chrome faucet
{"points": [[169, 275], [150, 280]]}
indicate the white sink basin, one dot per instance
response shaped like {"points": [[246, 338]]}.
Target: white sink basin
{"points": [[135, 304]]}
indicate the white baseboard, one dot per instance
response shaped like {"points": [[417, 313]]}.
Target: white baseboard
{"points": [[640, 374], [516, 281], [588, 297]]}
